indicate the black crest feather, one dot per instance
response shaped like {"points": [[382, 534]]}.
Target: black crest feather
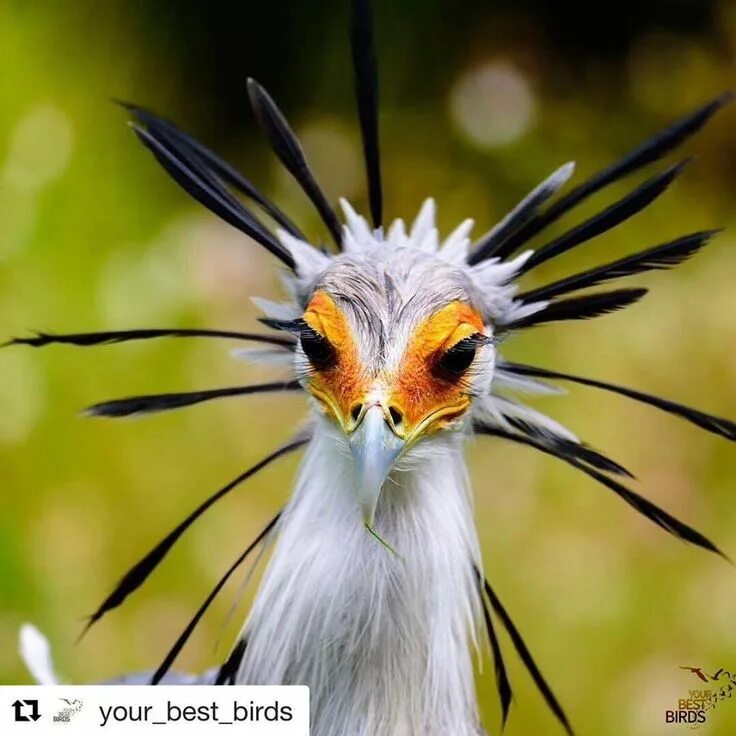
{"points": [[188, 172], [648, 509], [165, 129], [567, 448], [166, 402], [365, 68], [285, 144], [648, 152], [503, 686], [495, 243], [580, 307], [658, 258], [140, 572], [184, 637], [526, 657], [619, 212], [716, 425], [90, 339], [226, 674]]}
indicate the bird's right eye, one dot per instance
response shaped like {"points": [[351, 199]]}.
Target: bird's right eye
{"points": [[317, 348], [457, 360]]}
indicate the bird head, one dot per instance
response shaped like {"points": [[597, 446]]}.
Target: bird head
{"points": [[392, 350], [394, 340]]}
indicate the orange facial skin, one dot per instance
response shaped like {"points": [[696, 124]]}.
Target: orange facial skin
{"points": [[417, 390], [342, 386], [424, 399]]}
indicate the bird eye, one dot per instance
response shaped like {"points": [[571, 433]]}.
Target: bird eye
{"points": [[317, 348], [455, 361]]}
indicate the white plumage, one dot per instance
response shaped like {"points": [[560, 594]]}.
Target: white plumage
{"points": [[383, 641]]}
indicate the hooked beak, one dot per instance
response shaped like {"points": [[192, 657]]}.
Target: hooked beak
{"points": [[375, 449]]}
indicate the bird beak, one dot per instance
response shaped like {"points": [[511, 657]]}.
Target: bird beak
{"points": [[375, 448]]}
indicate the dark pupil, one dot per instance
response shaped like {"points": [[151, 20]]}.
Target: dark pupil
{"points": [[317, 349], [457, 359]]}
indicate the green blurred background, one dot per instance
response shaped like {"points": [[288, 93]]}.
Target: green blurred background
{"points": [[480, 102]]}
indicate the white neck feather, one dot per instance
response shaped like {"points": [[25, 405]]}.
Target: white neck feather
{"points": [[384, 642]]}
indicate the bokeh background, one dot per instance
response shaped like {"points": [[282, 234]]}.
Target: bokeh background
{"points": [[481, 100]]}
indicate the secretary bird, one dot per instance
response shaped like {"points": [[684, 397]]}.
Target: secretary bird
{"points": [[375, 591]]}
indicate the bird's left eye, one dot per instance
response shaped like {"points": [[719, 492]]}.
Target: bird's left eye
{"points": [[455, 361], [317, 348]]}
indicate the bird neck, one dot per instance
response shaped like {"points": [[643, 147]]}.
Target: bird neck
{"points": [[383, 640]]}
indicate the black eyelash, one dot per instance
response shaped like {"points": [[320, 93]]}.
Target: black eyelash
{"points": [[455, 361], [316, 347], [294, 326], [472, 342]]}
